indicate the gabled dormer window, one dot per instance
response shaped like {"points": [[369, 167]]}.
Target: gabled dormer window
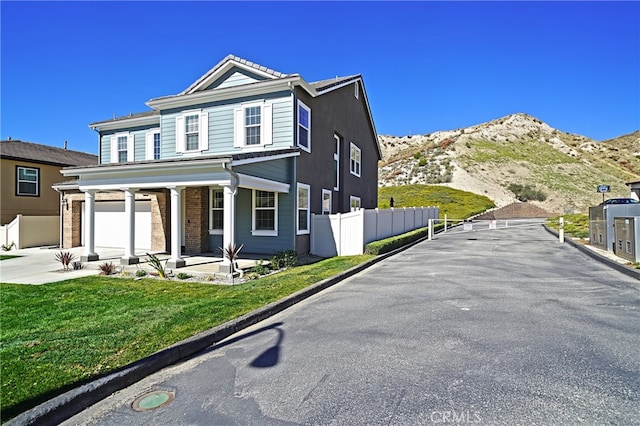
{"points": [[192, 131], [253, 125], [122, 147], [304, 126]]}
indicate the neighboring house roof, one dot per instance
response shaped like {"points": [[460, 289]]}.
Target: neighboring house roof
{"points": [[44, 154]]}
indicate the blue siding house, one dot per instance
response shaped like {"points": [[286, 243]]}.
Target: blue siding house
{"points": [[243, 155]]}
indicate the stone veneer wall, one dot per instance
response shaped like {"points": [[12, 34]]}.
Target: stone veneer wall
{"points": [[196, 219], [160, 221]]}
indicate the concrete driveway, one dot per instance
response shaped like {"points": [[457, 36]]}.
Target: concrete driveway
{"points": [[499, 327]]}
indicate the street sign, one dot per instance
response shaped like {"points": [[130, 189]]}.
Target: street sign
{"points": [[604, 188]]}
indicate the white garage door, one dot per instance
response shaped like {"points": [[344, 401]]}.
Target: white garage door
{"points": [[110, 225]]}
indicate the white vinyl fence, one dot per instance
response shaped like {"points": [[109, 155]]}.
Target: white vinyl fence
{"points": [[345, 234], [31, 231]]}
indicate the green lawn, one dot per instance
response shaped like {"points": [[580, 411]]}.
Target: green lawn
{"points": [[454, 203], [7, 256], [58, 335], [575, 225]]}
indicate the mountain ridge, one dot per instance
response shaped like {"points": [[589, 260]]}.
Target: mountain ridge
{"points": [[515, 149]]}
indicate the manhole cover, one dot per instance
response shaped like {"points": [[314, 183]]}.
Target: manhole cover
{"points": [[153, 400]]}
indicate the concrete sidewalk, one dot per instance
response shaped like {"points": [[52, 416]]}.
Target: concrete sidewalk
{"points": [[39, 265]]}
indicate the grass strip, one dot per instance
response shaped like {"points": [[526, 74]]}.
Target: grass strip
{"points": [[57, 336]]}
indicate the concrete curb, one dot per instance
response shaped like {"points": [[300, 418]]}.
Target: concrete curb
{"points": [[634, 273], [70, 403]]}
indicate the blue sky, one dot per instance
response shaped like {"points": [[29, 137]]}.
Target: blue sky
{"points": [[427, 66]]}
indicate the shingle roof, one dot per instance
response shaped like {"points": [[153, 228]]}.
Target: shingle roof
{"points": [[326, 84], [239, 60], [45, 154], [128, 117]]}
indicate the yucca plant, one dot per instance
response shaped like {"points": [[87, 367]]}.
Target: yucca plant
{"points": [[232, 252], [157, 265], [107, 268], [65, 257]]}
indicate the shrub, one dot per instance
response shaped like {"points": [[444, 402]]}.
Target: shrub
{"points": [[107, 268], [141, 273], [526, 193], [389, 244], [65, 257], [8, 247], [422, 162], [284, 259], [183, 276], [77, 266], [261, 268]]}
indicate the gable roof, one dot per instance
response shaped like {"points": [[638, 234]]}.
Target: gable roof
{"points": [[229, 62], [44, 154]]}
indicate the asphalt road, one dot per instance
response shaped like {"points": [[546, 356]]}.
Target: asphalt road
{"points": [[494, 327]]}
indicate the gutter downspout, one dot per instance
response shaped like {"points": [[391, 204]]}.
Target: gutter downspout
{"points": [[234, 178]]}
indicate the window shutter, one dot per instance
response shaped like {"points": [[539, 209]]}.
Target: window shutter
{"points": [[114, 149], [238, 128], [148, 143], [267, 124], [180, 139], [203, 137], [131, 153]]}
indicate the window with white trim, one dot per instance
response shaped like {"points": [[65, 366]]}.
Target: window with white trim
{"points": [[156, 146], [252, 116], [122, 147], [152, 145], [265, 213], [253, 126], [354, 164], [354, 203], [336, 162], [304, 126], [216, 213], [192, 131], [326, 201], [303, 208], [356, 92], [28, 181]]}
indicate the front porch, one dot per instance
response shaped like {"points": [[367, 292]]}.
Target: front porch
{"points": [[192, 207]]}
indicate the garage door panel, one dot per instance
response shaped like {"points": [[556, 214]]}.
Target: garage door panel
{"points": [[110, 223]]}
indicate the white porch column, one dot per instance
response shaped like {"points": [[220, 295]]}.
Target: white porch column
{"points": [[89, 227], [176, 260], [229, 220], [130, 227]]}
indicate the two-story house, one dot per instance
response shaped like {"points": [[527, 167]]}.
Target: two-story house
{"points": [[243, 155]]}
